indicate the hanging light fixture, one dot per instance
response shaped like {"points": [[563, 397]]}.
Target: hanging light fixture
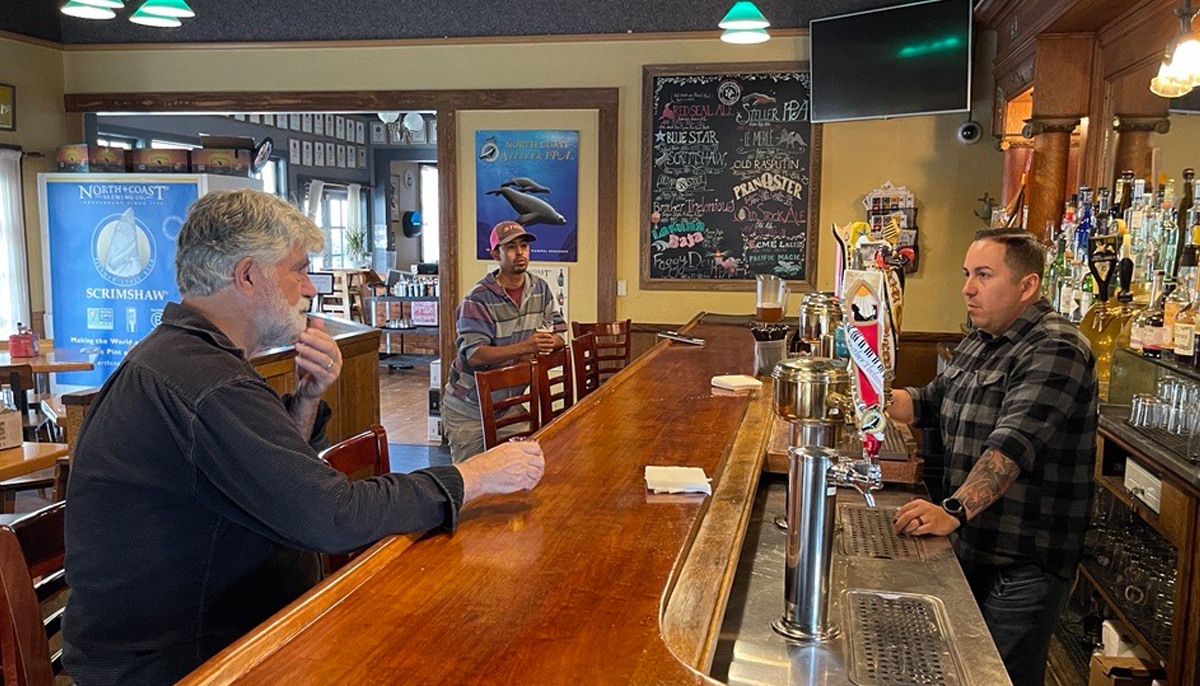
{"points": [[388, 117], [76, 8], [1179, 71], [178, 9], [744, 24], [107, 4], [141, 16]]}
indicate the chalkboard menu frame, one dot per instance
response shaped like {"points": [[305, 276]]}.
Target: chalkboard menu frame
{"points": [[712, 274]]}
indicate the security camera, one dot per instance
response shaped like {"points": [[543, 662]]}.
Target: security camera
{"points": [[969, 132]]}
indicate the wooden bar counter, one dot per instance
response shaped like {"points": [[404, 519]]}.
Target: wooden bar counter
{"points": [[586, 579]]}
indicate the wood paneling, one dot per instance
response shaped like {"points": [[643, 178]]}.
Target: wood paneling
{"points": [[588, 577]]}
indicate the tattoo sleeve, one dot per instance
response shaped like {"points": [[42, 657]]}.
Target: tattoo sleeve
{"points": [[989, 479]]}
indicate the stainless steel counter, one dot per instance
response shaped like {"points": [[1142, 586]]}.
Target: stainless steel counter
{"points": [[749, 652]]}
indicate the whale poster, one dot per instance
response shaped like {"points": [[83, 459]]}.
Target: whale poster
{"points": [[730, 171], [531, 177]]}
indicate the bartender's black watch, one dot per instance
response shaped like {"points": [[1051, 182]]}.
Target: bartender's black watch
{"points": [[954, 507]]}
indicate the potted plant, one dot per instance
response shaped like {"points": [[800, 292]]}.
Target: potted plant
{"points": [[356, 246]]}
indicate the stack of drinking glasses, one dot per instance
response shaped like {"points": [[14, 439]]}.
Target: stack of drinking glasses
{"points": [[1171, 416], [1135, 565]]}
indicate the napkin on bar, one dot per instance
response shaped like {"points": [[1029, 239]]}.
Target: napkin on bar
{"points": [[736, 382], [677, 480]]}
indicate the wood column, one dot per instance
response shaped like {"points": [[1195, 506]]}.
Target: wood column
{"points": [[1135, 144], [1047, 183]]}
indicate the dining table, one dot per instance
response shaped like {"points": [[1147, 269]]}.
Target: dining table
{"points": [[50, 361], [29, 457]]}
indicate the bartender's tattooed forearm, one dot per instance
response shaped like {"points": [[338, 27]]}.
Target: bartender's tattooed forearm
{"points": [[989, 479]]}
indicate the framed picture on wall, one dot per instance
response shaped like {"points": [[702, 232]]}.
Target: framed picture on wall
{"points": [[8, 107], [360, 132], [294, 151], [378, 133], [319, 156], [294, 121], [239, 117], [351, 156], [330, 152], [351, 126], [341, 156], [362, 157], [396, 134], [329, 125], [306, 122], [256, 119], [307, 147], [268, 120], [319, 124], [432, 125], [417, 136], [340, 124]]}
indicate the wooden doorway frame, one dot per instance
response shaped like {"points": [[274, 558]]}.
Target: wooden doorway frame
{"points": [[447, 104]]}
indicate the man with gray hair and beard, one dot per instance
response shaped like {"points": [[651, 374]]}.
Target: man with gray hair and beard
{"points": [[196, 496]]}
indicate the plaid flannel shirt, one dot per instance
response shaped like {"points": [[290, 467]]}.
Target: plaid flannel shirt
{"points": [[1030, 394]]}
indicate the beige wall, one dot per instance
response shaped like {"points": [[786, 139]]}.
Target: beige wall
{"points": [[1179, 148], [581, 275], [919, 152], [37, 73]]}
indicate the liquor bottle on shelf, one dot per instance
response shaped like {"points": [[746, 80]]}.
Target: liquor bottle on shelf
{"points": [[1102, 323], [1183, 210], [1148, 333], [1182, 295], [1135, 216], [1168, 231], [1083, 228], [1102, 216]]}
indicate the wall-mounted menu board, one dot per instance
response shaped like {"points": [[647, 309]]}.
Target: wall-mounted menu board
{"points": [[730, 170]]}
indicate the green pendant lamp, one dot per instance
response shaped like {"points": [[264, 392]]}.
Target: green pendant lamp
{"points": [[745, 36], [744, 15], [107, 4], [75, 8], [177, 9], [146, 19]]}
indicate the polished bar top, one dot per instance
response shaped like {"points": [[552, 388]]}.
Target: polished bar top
{"points": [[58, 359], [588, 575]]}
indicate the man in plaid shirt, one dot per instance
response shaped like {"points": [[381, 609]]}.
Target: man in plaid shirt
{"points": [[1017, 412], [509, 315]]}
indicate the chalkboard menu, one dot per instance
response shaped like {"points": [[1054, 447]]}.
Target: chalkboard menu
{"points": [[730, 170]]}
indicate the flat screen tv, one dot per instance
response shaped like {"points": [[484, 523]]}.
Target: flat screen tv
{"points": [[892, 62]]}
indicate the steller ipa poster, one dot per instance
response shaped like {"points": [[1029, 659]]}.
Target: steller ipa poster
{"points": [[531, 177]]}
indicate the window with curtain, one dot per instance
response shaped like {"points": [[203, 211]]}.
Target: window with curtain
{"points": [[430, 246], [14, 279]]}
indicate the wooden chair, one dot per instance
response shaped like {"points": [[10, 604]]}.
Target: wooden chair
{"points": [[587, 370], [19, 378], [613, 344], [31, 548], [557, 361], [518, 390], [358, 457]]}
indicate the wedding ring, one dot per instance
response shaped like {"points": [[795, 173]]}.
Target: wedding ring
{"points": [[330, 365], [920, 522]]}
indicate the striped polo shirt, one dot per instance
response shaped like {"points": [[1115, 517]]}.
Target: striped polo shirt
{"points": [[488, 316]]}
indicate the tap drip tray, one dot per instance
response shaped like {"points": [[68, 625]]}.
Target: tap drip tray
{"points": [[899, 639], [867, 532]]}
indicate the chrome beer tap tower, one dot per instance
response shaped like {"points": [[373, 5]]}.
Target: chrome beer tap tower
{"points": [[821, 397]]}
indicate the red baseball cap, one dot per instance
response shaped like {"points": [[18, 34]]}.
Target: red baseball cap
{"points": [[508, 231]]}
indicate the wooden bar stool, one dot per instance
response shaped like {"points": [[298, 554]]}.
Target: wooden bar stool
{"points": [[508, 399], [587, 371], [555, 381], [613, 344]]}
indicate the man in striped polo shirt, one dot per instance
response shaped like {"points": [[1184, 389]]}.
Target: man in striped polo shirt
{"points": [[509, 315]]}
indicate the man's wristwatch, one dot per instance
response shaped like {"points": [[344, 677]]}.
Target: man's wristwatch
{"points": [[954, 507]]}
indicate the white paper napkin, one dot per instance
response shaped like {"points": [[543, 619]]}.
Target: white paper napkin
{"points": [[736, 382], [677, 480]]}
